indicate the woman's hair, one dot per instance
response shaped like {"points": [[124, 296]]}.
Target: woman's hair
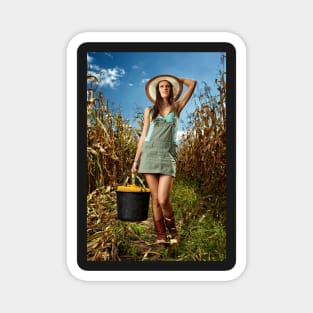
{"points": [[158, 100]]}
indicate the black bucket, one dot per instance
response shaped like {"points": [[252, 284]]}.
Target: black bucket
{"points": [[132, 206]]}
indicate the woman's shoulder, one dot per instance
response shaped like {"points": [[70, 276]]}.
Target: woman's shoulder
{"points": [[149, 111], [149, 107]]}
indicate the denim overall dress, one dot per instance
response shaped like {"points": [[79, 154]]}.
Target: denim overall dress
{"points": [[159, 152]]}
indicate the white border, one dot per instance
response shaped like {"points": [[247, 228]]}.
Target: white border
{"points": [[107, 275]]}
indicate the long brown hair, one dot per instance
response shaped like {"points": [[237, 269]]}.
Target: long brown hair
{"points": [[158, 100]]}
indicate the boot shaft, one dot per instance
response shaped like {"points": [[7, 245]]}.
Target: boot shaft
{"points": [[171, 225], [160, 229]]}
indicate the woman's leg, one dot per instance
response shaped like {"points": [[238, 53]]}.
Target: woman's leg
{"points": [[164, 190], [158, 219], [153, 184]]}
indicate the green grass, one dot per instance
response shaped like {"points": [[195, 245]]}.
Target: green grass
{"points": [[202, 237], [202, 234]]}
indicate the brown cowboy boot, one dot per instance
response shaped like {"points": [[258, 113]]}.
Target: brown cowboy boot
{"points": [[160, 231], [171, 226]]}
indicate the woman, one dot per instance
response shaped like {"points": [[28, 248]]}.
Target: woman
{"points": [[156, 152]]}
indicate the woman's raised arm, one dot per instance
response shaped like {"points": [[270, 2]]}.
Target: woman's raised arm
{"points": [[191, 84]]}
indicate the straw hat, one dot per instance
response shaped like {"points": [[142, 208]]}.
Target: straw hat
{"points": [[152, 83]]}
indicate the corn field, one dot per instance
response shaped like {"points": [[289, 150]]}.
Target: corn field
{"points": [[199, 191], [111, 145], [202, 152]]}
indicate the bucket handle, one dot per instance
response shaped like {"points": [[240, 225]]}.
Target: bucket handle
{"points": [[133, 181], [134, 176]]}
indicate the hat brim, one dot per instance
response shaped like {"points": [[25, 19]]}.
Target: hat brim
{"points": [[152, 83]]}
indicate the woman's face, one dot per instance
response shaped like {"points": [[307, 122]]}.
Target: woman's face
{"points": [[164, 88]]}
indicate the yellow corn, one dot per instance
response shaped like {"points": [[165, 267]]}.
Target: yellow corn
{"points": [[131, 188]]}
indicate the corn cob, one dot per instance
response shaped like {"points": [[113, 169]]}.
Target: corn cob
{"points": [[131, 188]]}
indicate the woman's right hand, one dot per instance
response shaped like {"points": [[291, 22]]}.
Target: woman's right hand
{"points": [[135, 167]]}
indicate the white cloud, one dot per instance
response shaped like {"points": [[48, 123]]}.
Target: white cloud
{"points": [[111, 77], [108, 77], [135, 67], [94, 67], [143, 81], [130, 84], [89, 58], [109, 55], [180, 134]]}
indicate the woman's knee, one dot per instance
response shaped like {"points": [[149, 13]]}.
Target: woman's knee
{"points": [[155, 200], [164, 201]]}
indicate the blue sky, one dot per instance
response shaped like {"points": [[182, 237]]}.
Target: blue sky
{"points": [[126, 73]]}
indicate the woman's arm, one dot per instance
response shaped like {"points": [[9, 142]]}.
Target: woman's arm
{"points": [[191, 84], [145, 128]]}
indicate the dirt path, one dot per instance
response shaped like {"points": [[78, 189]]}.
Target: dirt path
{"points": [[143, 247]]}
